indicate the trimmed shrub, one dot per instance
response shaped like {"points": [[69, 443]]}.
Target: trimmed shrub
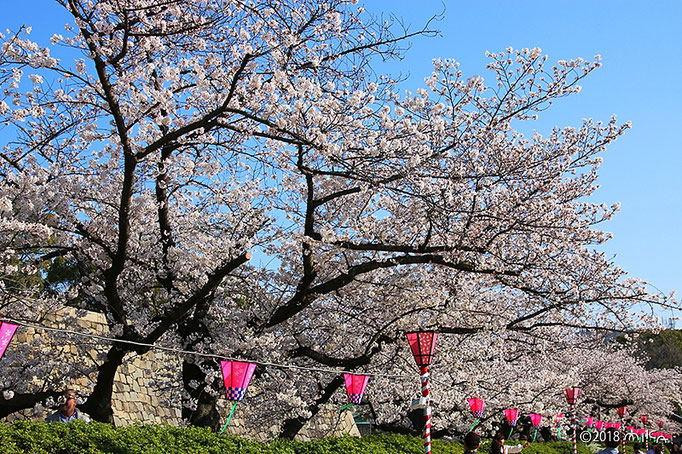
{"points": [[23, 437]]}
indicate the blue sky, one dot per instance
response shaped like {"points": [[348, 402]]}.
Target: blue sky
{"points": [[641, 47]]}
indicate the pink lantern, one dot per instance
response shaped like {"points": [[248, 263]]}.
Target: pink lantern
{"points": [[571, 395], [599, 425], [644, 418], [622, 411], [477, 405], [589, 423], [6, 332], [629, 428], [536, 420], [512, 415], [355, 387], [236, 376], [423, 344], [660, 424]]}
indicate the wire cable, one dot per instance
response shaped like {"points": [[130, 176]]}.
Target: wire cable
{"points": [[193, 353]]}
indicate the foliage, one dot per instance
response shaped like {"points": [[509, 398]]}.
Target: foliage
{"points": [[96, 438], [663, 349]]}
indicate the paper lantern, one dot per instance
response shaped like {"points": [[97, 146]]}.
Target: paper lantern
{"points": [[660, 424], [512, 415], [629, 428], [644, 418], [423, 344], [589, 422], [6, 332], [355, 387], [536, 420], [599, 425], [571, 395], [477, 405], [622, 411], [236, 376]]}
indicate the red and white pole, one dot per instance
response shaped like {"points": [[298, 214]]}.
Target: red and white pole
{"points": [[424, 373], [574, 423]]}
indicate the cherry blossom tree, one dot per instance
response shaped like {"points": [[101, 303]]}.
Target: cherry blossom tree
{"points": [[190, 135]]}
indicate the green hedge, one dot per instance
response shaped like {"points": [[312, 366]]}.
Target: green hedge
{"points": [[94, 438]]}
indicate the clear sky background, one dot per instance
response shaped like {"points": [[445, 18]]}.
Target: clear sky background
{"points": [[640, 81]]}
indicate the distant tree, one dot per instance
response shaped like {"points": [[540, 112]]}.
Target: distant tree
{"points": [[662, 349]]}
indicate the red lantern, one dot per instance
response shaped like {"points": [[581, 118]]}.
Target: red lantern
{"points": [[644, 418], [571, 395], [236, 376], [621, 411], [6, 332], [477, 405], [589, 423], [536, 420], [660, 424], [599, 425], [355, 387], [423, 344], [512, 415]]}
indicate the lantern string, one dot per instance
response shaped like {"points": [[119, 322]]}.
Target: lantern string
{"points": [[229, 418], [346, 406], [194, 353], [535, 435]]}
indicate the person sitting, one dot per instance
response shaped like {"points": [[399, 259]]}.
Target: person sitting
{"points": [[471, 443], [498, 446], [612, 439], [67, 409], [656, 449]]}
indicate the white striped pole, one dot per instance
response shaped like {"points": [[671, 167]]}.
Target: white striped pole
{"points": [[574, 423], [424, 373]]}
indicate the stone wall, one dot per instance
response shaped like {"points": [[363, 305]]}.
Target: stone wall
{"points": [[147, 388]]}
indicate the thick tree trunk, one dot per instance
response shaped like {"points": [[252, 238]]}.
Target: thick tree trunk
{"points": [[206, 413], [292, 426], [98, 405]]}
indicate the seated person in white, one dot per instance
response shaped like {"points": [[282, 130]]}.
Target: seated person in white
{"points": [[498, 446]]}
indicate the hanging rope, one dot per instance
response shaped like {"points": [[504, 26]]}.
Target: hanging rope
{"points": [[193, 353]]}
